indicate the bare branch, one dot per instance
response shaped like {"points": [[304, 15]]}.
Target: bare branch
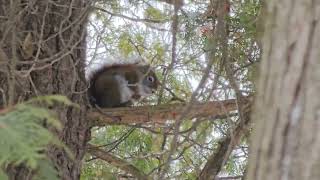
{"points": [[117, 162], [217, 160], [160, 114], [130, 18]]}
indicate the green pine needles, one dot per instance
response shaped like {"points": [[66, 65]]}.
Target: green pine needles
{"points": [[24, 138]]}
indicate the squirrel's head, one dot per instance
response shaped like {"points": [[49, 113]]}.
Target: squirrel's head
{"points": [[150, 81]]}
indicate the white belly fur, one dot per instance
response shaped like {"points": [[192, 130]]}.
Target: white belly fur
{"points": [[125, 92]]}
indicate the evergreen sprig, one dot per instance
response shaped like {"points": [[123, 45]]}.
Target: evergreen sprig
{"points": [[24, 138]]}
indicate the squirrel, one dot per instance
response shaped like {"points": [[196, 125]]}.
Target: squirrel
{"points": [[119, 85]]}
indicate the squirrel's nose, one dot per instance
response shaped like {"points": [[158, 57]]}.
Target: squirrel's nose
{"points": [[153, 91]]}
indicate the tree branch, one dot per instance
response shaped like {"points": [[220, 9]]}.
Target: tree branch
{"points": [[226, 145], [160, 114], [130, 18], [117, 162]]}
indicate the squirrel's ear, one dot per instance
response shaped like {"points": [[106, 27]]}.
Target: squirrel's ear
{"points": [[145, 68]]}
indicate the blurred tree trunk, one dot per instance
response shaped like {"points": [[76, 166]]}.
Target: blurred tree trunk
{"points": [[42, 51], [286, 138]]}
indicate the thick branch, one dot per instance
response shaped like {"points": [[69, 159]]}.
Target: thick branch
{"points": [[117, 162], [161, 113]]}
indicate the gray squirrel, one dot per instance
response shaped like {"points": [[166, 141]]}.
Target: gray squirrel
{"points": [[118, 85]]}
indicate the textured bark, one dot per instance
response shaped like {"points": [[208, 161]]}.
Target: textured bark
{"points": [[286, 139], [44, 45], [162, 113]]}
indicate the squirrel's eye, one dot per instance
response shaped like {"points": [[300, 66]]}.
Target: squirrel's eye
{"points": [[150, 78]]}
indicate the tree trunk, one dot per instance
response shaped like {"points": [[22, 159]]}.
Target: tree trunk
{"points": [[286, 138], [42, 52]]}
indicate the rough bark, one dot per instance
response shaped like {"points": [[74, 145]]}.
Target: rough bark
{"points": [[286, 139], [161, 114], [44, 47]]}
